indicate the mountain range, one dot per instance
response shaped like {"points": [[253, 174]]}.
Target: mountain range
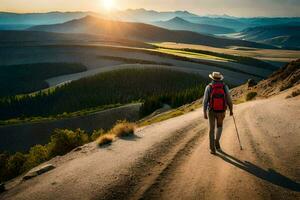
{"points": [[281, 31], [145, 16], [140, 32]]}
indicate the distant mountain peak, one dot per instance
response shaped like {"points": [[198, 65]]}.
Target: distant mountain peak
{"points": [[93, 18], [182, 11], [178, 20]]}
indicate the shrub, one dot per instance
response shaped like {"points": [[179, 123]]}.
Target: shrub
{"points": [[63, 141], [96, 134], [123, 129], [37, 154], [296, 93], [250, 95], [15, 164], [286, 86], [3, 166], [105, 139]]}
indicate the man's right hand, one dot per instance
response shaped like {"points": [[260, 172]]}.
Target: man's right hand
{"points": [[205, 116]]}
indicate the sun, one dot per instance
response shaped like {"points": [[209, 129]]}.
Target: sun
{"points": [[108, 4]]}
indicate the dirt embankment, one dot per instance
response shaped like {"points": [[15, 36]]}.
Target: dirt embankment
{"points": [[281, 80]]}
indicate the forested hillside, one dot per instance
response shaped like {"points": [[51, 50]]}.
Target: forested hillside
{"points": [[153, 85]]}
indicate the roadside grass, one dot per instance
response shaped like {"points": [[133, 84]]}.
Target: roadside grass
{"points": [[170, 114], [238, 101], [123, 129], [161, 117], [250, 96]]}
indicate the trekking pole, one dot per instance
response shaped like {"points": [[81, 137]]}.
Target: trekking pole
{"points": [[237, 132]]}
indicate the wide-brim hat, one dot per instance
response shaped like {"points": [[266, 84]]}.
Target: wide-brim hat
{"points": [[217, 76]]}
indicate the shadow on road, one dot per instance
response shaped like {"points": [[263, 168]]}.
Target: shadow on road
{"points": [[131, 138], [269, 175]]}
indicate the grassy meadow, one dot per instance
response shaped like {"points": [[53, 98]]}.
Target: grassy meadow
{"points": [[190, 54], [276, 55], [215, 56]]}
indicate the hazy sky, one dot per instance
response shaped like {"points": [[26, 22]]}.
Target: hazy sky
{"points": [[201, 7]]}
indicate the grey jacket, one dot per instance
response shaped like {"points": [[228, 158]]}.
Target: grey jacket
{"points": [[207, 95]]}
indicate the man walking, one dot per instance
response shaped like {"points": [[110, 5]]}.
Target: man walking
{"points": [[215, 101]]}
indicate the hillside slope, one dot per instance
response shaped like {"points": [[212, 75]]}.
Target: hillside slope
{"points": [[178, 23], [285, 36], [171, 160], [141, 32], [30, 38], [39, 18]]}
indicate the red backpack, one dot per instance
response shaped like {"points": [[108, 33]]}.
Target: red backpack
{"points": [[217, 101]]}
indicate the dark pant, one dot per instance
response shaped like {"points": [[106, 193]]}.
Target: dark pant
{"points": [[214, 117]]}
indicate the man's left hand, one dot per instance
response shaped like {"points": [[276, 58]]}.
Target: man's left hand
{"points": [[205, 116]]}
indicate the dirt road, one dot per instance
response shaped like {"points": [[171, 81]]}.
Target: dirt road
{"points": [[171, 160]]}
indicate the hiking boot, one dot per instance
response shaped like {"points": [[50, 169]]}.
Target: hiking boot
{"points": [[217, 144]]}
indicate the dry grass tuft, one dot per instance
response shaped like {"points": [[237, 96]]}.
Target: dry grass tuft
{"points": [[250, 95], [123, 129], [105, 139], [171, 113], [294, 94]]}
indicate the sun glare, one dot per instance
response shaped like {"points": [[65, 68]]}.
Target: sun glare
{"points": [[108, 4]]}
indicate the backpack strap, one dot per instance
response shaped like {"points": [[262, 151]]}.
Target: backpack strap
{"points": [[210, 87]]}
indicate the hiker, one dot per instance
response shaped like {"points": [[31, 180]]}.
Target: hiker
{"points": [[215, 100]]}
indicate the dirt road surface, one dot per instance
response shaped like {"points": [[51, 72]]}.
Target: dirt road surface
{"points": [[171, 160]]}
